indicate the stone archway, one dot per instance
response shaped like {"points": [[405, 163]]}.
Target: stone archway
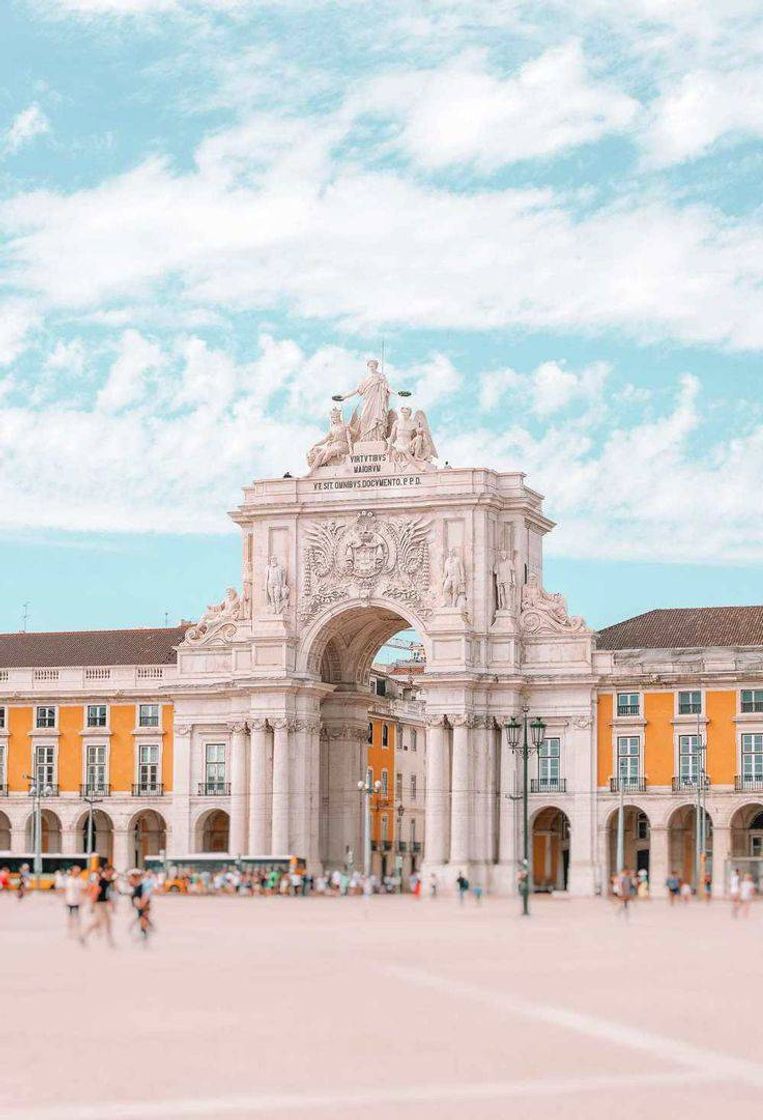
{"points": [[5, 833], [147, 834], [212, 832], [550, 851], [682, 842], [51, 832], [103, 834], [636, 837]]}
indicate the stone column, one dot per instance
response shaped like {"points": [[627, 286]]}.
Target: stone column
{"points": [[506, 852], [238, 789], [122, 857], [308, 801], [721, 852], [437, 792], [179, 840], [69, 841], [259, 792], [658, 861], [481, 789], [461, 795], [280, 833], [346, 743]]}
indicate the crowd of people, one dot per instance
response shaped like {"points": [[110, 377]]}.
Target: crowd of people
{"points": [[628, 886]]}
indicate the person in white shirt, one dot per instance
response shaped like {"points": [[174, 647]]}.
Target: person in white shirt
{"points": [[746, 891], [734, 885], [75, 885]]}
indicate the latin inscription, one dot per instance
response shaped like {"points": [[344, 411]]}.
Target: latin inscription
{"points": [[363, 483]]}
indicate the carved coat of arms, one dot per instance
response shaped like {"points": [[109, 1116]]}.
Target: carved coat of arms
{"points": [[364, 556]]}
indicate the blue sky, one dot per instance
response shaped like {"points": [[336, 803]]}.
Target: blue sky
{"points": [[212, 211]]}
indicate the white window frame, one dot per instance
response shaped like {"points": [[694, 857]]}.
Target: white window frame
{"points": [[689, 750], [89, 745], [148, 744], [755, 739], [629, 756], [96, 727], [3, 765], [398, 786], [690, 692], [385, 736], [553, 762], [413, 738], [149, 726], [52, 747], [413, 790], [3, 717], [45, 708], [384, 791], [629, 714], [384, 828], [753, 710], [219, 747]]}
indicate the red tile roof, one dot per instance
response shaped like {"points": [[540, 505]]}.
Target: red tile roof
{"points": [[91, 647], [686, 627]]}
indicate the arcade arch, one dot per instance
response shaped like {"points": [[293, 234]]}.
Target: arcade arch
{"points": [[5, 833], [148, 836], [550, 849], [636, 839], [50, 832], [747, 831], [103, 834], [212, 833], [682, 842]]}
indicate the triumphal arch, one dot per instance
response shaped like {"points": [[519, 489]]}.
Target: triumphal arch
{"points": [[377, 536]]}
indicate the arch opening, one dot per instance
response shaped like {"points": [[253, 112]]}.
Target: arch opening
{"points": [[683, 858], [636, 840], [5, 832], [550, 851], [102, 834], [148, 836], [212, 832], [51, 832]]}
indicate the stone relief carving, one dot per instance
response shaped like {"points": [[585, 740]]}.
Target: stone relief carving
{"points": [[453, 580], [335, 446], [277, 589], [410, 445], [363, 556], [582, 722], [219, 619], [543, 612]]}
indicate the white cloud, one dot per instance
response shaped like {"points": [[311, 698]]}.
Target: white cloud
{"points": [[702, 108], [126, 382], [493, 385], [461, 113], [27, 126], [554, 387], [67, 358], [18, 319]]}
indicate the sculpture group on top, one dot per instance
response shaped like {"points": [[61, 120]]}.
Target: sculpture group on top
{"points": [[404, 438], [546, 611]]}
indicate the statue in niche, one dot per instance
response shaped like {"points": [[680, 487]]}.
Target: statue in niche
{"points": [[453, 580], [505, 580], [276, 587], [216, 614], [335, 446], [410, 442]]}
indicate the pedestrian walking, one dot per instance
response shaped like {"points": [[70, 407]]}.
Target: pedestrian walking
{"points": [[735, 883], [746, 892], [433, 885], [625, 891], [141, 891], [686, 891], [75, 892], [23, 882], [463, 886], [100, 894], [673, 883]]}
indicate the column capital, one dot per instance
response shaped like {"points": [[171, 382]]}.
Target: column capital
{"points": [[258, 724], [238, 726], [461, 719], [435, 722], [180, 730], [312, 726], [282, 723]]}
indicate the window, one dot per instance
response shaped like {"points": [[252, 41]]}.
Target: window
{"points": [[385, 735], [688, 759], [413, 787], [214, 767], [370, 733], [381, 686], [627, 704], [399, 737], [44, 766], [2, 718], [548, 764], [95, 769], [413, 830], [752, 758], [642, 827], [689, 703], [2, 766], [369, 777], [628, 757], [148, 767], [413, 738], [398, 787], [384, 828], [96, 715], [148, 715], [384, 783], [752, 699], [46, 717]]}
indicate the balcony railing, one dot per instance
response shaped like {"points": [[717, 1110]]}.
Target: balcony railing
{"points": [[683, 781], [148, 789], [402, 846], [415, 845], [47, 789], [548, 785], [630, 785], [627, 710], [95, 789], [386, 845], [742, 783], [214, 789]]}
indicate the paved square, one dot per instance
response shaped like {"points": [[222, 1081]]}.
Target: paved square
{"points": [[388, 1007]]}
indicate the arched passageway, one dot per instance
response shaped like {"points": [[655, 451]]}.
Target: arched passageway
{"points": [[51, 832], [148, 836], [550, 850], [682, 844], [103, 834], [636, 840], [213, 832], [5, 833], [747, 840]]}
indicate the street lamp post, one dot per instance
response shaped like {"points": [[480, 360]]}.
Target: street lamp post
{"points": [[400, 810], [37, 791], [91, 802], [367, 789], [537, 730], [700, 853]]}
